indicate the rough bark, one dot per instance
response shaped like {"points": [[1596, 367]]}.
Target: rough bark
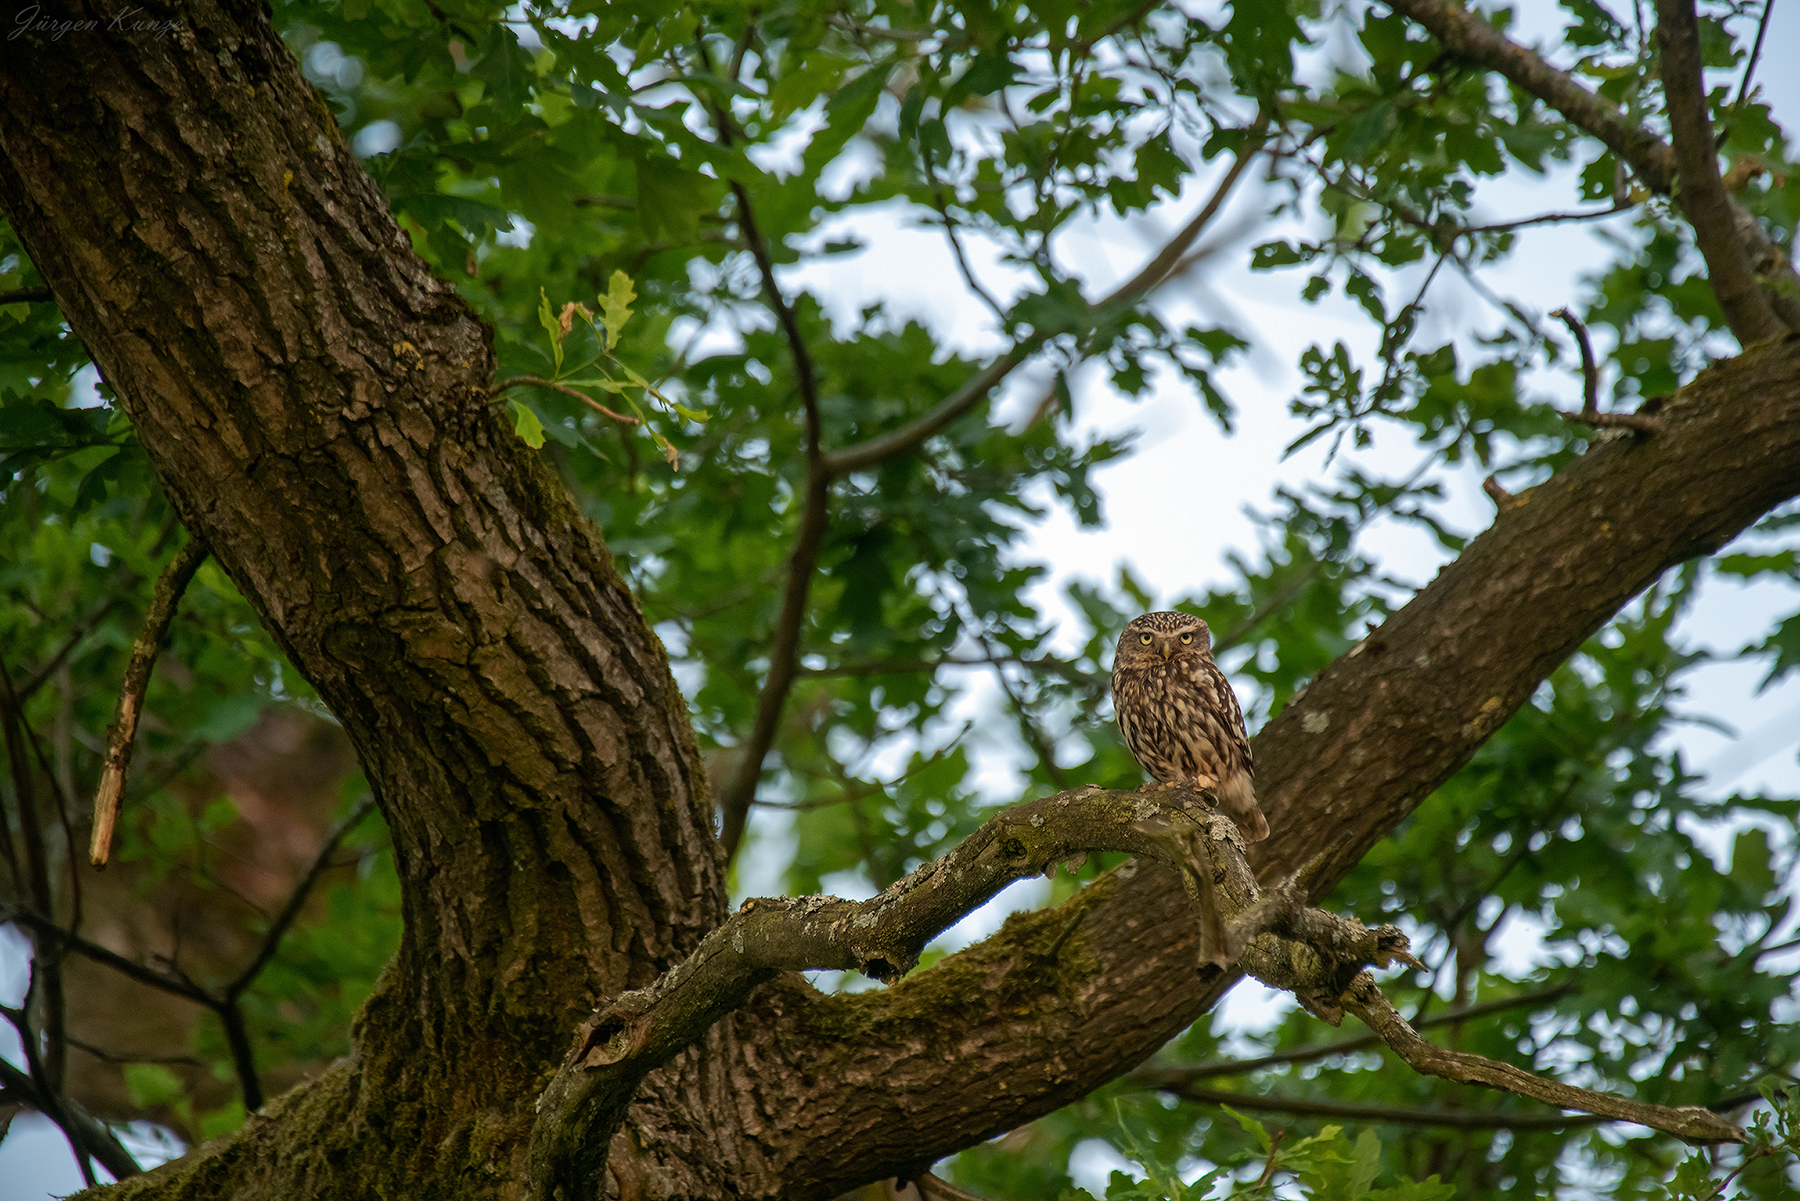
{"points": [[316, 406], [317, 403]]}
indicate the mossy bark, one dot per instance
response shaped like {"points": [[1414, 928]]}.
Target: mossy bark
{"points": [[316, 405]]}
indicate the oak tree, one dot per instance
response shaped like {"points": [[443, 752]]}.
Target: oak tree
{"points": [[482, 496]]}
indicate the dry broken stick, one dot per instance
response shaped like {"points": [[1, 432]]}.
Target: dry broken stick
{"points": [[121, 735]]}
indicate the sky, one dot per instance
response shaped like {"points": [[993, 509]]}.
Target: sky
{"points": [[1174, 509]]}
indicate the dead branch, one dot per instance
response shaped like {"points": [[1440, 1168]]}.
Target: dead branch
{"points": [[122, 734], [1688, 1122], [1173, 1079], [881, 937]]}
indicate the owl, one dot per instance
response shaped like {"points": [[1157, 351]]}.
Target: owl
{"points": [[1180, 718]]}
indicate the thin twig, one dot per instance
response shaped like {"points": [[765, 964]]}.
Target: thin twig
{"points": [[1157, 271], [1161, 1078], [1397, 1115], [1702, 194], [174, 983], [1470, 36], [740, 789], [122, 734], [297, 899], [47, 964], [224, 1003], [25, 295], [1762, 28], [575, 394], [1643, 423], [1590, 413], [935, 1188], [10, 716], [89, 1138], [962, 261], [900, 667], [1590, 373], [1270, 1162], [1046, 751], [68, 829], [1501, 227], [784, 654], [822, 468], [38, 678]]}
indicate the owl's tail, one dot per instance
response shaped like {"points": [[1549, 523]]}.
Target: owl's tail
{"points": [[1237, 800]]}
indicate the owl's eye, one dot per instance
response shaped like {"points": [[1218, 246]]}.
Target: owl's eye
{"points": [[1186, 638], [1144, 638]]}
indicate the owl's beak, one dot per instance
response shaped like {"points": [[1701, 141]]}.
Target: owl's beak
{"points": [[1167, 650]]}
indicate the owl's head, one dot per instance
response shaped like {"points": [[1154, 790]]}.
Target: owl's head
{"points": [[1163, 636]]}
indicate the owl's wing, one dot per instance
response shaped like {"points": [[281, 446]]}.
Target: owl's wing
{"points": [[1225, 717]]}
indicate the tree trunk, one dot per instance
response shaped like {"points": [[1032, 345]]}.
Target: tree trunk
{"points": [[317, 408]]}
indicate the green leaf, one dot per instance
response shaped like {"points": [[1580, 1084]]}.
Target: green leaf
{"points": [[507, 70], [669, 199], [552, 326], [1751, 865], [1252, 1127], [528, 426], [151, 1084], [615, 307]]}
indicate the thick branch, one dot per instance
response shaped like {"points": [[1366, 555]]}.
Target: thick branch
{"points": [[1318, 956], [1702, 195], [1469, 36], [121, 736], [881, 937]]}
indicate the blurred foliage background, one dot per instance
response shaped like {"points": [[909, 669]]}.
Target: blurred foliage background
{"points": [[544, 155]]}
